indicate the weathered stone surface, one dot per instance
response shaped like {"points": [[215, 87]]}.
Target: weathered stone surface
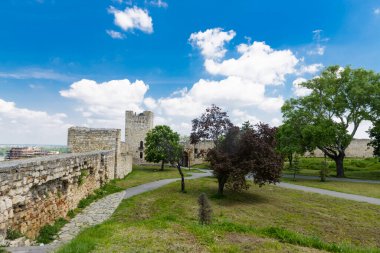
{"points": [[136, 128], [37, 191]]}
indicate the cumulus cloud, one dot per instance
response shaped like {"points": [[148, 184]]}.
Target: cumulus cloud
{"points": [[238, 84], [299, 90], [212, 41], [258, 63], [310, 69], [132, 18], [25, 126], [115, 35], [105, 103]]}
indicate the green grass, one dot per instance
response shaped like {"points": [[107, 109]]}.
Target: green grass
{"points": [[139, 175], [48, 233], [13, 234], [266, 219], [205, 166], [365, 189], [359, 168]]}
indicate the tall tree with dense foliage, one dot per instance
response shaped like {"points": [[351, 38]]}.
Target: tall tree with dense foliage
{"points": [[211, 125], [374, 134], [289, 141], [328, 118], [247, 151], [162, 145]]}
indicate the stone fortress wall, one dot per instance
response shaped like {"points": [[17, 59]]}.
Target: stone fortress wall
{"points": [[357, 148], [136, 128], [35, 192], [82, 139]]}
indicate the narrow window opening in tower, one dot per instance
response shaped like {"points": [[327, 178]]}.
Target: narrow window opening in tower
{"points": [[141, 155], [141, 144]]}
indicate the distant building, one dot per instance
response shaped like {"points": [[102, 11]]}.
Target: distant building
{"points": [[26, 152]]}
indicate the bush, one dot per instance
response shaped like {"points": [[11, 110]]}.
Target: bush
{"points": [[205, 210], [48, 233], [13, 234], [324, 172]]}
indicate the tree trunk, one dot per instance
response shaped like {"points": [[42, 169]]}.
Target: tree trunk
{"points": [[290, 158], [221, 182], [162, 165], [182, 178], [339, 165]]}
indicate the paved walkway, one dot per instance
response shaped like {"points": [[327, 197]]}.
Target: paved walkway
{"points": [[341, 195], [334, 179], [98, 212]]}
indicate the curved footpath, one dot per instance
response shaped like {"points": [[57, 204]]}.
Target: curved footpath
{"points": [[337, 179], [101, 210]]}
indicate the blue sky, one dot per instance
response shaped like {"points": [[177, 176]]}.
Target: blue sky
{"points": [[65, 63]]}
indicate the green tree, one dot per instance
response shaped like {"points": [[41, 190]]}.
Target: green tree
{"points": [[289, 141], [328, 118], [162, 145], [374, 134]]}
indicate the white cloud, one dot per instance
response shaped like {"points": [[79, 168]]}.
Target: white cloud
{"points": [[258, 63], [115, 35], [150, 103], [105, 103], [35, 73], [319, 50], [318, 39], [239, 87], [211, 42], [132, 18], [299, 90], [239, 117], [25, 126], [361, 133], [159, 3], [376, 11], [310, 69]]}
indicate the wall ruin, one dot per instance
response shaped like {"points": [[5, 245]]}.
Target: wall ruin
{"points": [[35, 192]]}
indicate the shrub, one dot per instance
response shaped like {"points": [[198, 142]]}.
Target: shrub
{"points": [[205, 210], [13, 234], [48, 232], [324, 171]]}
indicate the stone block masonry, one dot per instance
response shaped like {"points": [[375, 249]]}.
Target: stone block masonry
{"points": [[82, 139], [136, 128], [35, 192]]}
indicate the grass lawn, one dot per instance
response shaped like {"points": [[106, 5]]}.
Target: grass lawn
{"points": [[205, 165], [369, 190], [146, 174], [266, 219], [360, 168]]}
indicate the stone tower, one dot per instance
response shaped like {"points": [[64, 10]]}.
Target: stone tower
{"points": [[136, 128]]}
